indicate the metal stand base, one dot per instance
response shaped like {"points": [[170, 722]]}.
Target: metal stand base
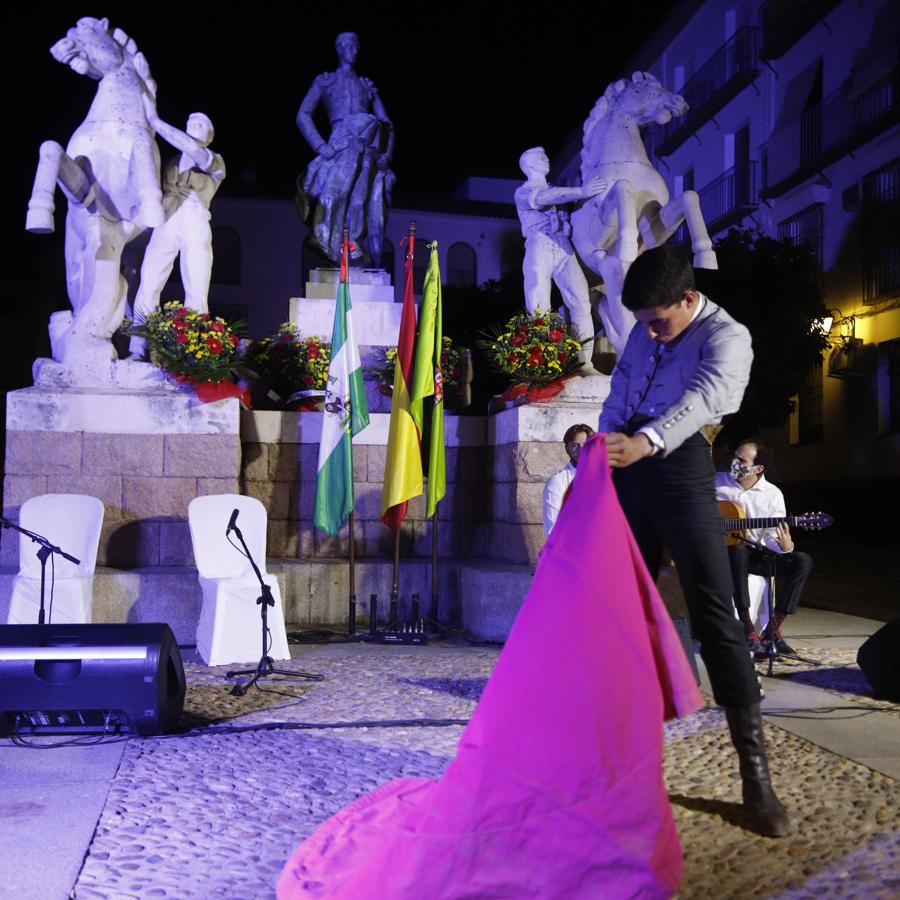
{"points": [[266, 668]]}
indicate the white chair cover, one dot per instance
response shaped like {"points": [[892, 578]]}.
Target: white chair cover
{"points": [[229, 630], [758, 590], [72, 522]]}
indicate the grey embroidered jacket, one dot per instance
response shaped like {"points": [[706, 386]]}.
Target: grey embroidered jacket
{"points": [[678, 388]]}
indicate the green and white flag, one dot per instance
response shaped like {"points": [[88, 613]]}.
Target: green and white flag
{"points": [[346, 413]]}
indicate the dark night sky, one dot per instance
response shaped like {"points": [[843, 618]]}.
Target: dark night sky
{"points": [[467, 94], [468, 88]]}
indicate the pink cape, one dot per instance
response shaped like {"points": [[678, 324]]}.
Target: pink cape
{"points": [[556, 789]]}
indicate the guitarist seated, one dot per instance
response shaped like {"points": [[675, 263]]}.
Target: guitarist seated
{"points": [[746, 485]]}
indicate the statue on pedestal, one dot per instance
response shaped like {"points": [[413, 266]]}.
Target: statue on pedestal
{"points": [[190, 181], [349, 182], [109, 172], [609, 231], [549, 254]]}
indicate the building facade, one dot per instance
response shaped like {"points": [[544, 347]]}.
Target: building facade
{"points": [[794, 129]]}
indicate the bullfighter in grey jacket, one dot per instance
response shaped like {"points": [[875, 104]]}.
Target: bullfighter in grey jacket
{"points": [[685, 366]]}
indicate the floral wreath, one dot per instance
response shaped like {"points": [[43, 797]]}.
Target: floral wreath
{"points": [[192, 345], [533, 348], [289, 363], [382, 372]]}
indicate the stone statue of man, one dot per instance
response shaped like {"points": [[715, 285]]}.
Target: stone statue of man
{"points": [[189, 182], [349, 182], [549, 254]]}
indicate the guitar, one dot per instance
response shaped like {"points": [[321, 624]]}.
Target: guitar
{"points": [[735, 522]]}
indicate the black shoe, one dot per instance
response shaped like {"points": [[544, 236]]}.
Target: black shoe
{"points": [[764, 811], [782, 647], [754, 645]]}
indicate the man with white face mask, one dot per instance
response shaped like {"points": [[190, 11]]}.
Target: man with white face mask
{"points": [[745, 484]]}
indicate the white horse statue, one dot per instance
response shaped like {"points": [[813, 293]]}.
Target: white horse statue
{"points": [[109, 173], [635, 213]]}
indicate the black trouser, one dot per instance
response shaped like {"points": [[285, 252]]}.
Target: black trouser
{"points": [[794, 568], [670, 502]]}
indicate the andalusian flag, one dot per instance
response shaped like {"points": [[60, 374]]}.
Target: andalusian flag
{"points": [[427, 380], [346, 414], [403, 466]]}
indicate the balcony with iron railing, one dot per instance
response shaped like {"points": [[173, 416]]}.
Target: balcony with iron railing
{"points": [[728, 71], [730, 197], [725, 201], [828, 131]]}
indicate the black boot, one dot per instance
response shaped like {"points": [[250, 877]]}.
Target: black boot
{"points": [[766, 814]]}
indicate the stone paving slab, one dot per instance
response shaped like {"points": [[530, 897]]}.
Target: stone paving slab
{"points": [[44, 830], [216, 813], [49, 808]]}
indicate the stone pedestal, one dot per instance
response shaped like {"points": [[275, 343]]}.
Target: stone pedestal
{"points": [[491, 595], [376, 317], [145, 455], [526, 449]]}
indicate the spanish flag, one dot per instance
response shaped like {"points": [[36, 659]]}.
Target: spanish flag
{"points": [[428, 381], [403, 463]]}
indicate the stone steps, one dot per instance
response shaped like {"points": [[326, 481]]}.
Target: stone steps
{"points": [[484, 596], [314, 592]]}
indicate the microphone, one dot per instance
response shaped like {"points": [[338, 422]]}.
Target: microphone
{"points": [[232, 522]]}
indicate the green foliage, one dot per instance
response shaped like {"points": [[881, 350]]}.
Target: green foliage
{"points": [[775, 289], [471, 311]]}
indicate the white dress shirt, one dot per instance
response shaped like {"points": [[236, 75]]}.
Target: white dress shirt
{"points": [[554, 491], [762, 501]]}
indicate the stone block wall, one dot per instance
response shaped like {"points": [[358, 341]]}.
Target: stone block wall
{"points": [[279, 463], [525, 449], [147, 455], [145, 477], [520, 471]]}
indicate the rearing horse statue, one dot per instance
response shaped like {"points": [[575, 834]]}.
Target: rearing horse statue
{"points": [[109, 173], [635, 213]]}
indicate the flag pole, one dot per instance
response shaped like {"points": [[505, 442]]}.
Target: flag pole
{"points": [[428, 381], [395, 583], [433, 612], [395, 586], [345, 414], [351, 520], [351, 612]]}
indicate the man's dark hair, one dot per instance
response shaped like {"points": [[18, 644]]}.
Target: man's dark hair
{"points": [[571, 433], [764, 455], [658, 277]]}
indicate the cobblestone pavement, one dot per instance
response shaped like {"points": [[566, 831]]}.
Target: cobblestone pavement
{"points": [[216, 812]]}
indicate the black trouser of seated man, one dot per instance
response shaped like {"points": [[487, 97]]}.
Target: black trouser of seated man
{"points": [[794, 568]]}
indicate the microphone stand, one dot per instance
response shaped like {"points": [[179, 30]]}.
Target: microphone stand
{"points": [[266, 665], [43, 553], [768, 635]]}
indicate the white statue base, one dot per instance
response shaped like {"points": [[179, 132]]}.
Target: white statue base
{"points": [[376, 317]]}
